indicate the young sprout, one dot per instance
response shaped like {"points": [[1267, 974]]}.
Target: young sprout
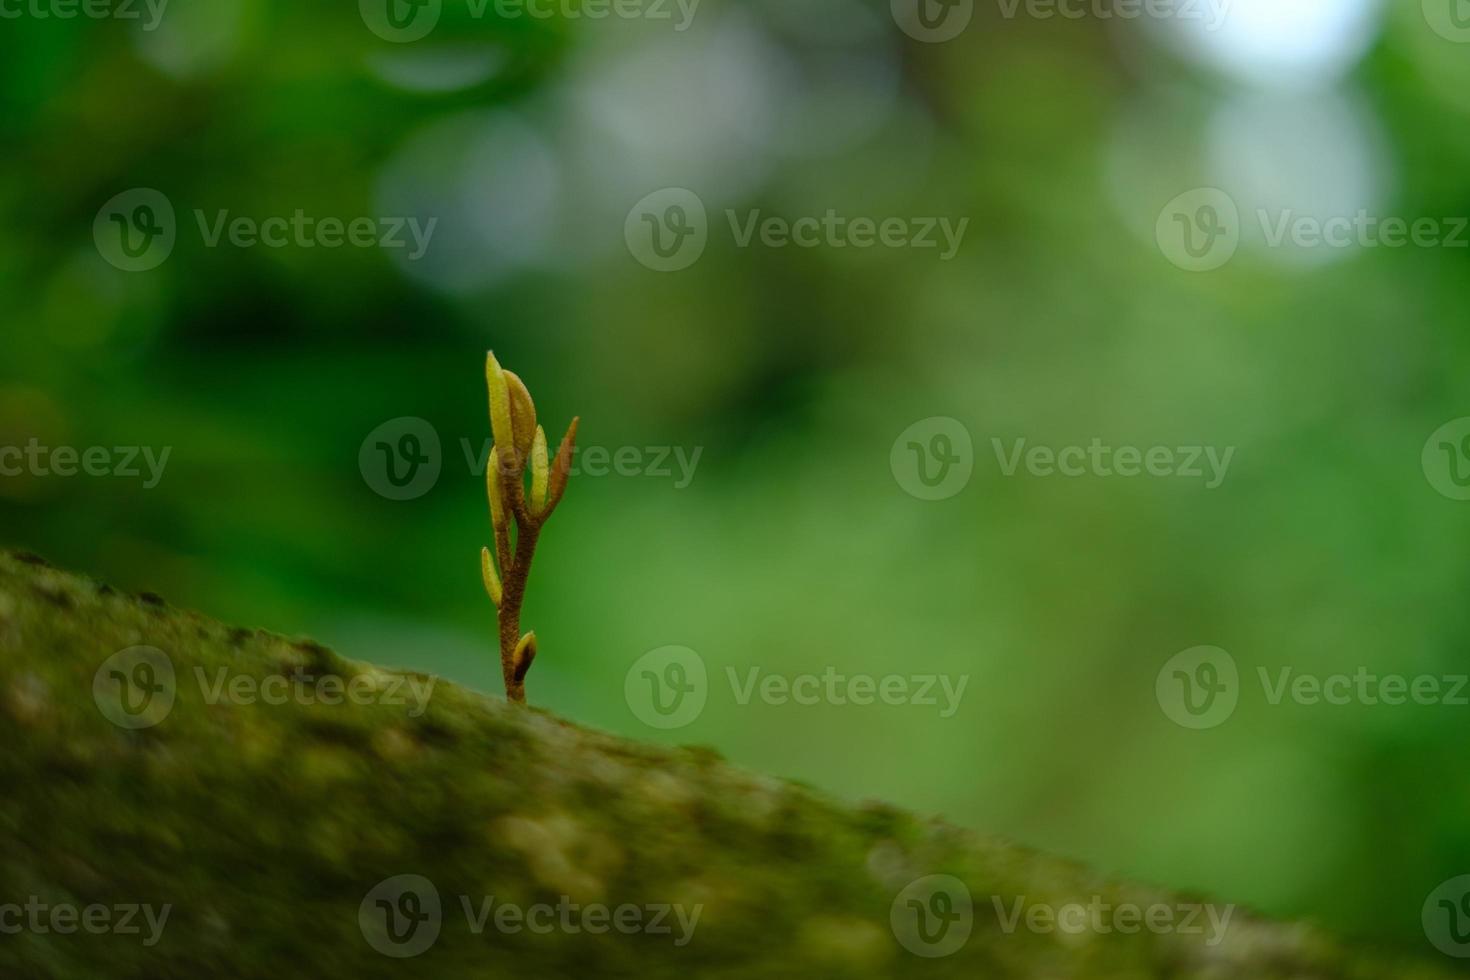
{"points": [[518, 440]]}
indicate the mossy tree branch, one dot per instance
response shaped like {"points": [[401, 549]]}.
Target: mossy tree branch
{"points": [[267, 826]]}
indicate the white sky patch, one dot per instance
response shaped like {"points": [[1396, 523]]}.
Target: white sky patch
{"points": [[1282, 43]]}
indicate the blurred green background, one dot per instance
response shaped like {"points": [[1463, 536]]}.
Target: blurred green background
{"points": [[792, 371]]}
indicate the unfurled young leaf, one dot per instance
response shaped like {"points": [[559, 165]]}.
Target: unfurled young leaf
{"points": [[492, 580], [500, 423], [540, 472], [494, 490], [561, 470], [522, 418]]}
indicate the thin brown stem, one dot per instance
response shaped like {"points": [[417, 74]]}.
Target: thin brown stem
{"points": [[510, 611], [502, 548]]}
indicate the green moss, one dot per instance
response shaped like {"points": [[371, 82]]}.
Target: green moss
{"points": [[264, 826]]}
